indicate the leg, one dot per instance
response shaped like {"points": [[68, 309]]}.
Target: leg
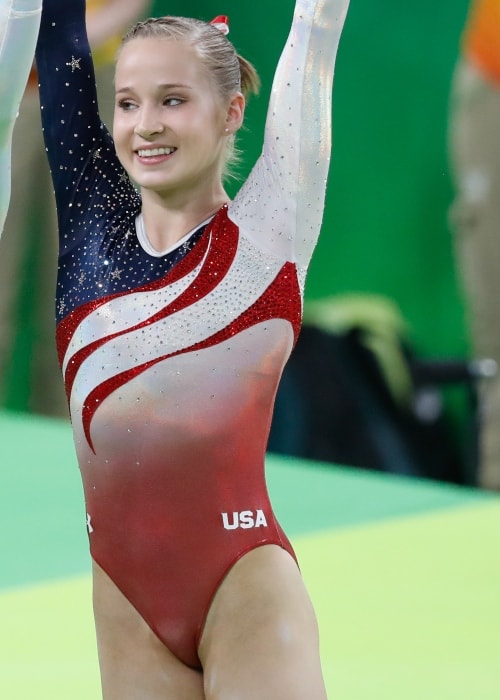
{"points": [[134, 663], [261, 638]]}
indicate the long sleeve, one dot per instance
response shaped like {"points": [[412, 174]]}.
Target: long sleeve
{"points": [[89, 182], [19, 22], [280, 207]]}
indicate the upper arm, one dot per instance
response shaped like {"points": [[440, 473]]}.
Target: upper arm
{"points": [[281, 204]]}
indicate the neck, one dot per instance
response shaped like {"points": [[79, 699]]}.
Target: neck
{"points": [[168, 221]]}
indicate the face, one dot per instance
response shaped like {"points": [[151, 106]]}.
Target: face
{"points": [[170, 122]]}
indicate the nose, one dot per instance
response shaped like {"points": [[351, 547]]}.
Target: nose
{"points": [[149, 125], [147, 132]]}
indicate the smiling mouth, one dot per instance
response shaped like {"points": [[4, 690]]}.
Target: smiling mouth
{"points": [[154, 152]]}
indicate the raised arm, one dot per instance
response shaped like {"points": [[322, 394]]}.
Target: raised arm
{"points": [[19, 22], [70, 118], [88, 179], [281, 205]]}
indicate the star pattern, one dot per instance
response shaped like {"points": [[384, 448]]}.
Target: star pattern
{"points": [[74, 64], [116, 274]]}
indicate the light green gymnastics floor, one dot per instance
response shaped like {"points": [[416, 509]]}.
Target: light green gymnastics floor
{"points": [[405, 576]]}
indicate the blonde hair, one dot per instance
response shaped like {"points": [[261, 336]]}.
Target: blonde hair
{"points": [[231, 72]]}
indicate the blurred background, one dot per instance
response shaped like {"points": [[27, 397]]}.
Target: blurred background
{"points": [[382, 375]]}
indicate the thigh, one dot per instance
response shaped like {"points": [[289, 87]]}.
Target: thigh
{"points": [[261, 638], [134, 663]]}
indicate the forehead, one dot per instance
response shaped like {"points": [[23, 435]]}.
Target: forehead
{"points": [[146, 60]]}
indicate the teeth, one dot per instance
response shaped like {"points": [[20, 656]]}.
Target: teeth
{"points": [[151, 152]]}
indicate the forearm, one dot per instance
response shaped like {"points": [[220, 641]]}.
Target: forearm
{"points": [[62, 52], [19, 22], [68, 99]]}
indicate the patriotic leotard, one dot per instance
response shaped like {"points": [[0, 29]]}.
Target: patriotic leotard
{"points": [[171, 362]]}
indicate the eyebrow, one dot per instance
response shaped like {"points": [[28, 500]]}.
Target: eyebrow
{"points": [[162, 86]]}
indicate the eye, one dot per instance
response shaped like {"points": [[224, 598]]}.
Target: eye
{"points": [[173, 101], [126, 105]]}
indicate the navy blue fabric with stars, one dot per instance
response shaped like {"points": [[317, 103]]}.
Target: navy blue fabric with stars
{"points": [[100, 254]]}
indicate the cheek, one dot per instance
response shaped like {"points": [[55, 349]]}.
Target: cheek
{"points": [[119, 133], [121, 148]]}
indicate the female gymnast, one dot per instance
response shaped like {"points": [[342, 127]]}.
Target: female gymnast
{"points": [[19, 22], [176, 311]]}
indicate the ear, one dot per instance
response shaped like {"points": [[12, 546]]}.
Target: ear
{"points": [[235, 113]]}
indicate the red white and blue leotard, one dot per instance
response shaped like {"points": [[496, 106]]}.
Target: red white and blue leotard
{"points": [[171, 362]]}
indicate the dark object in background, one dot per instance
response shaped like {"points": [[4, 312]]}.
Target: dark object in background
{"points": [[334, 404]]}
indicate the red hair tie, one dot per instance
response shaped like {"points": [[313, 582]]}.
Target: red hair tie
{"points": [[222, 23]]}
